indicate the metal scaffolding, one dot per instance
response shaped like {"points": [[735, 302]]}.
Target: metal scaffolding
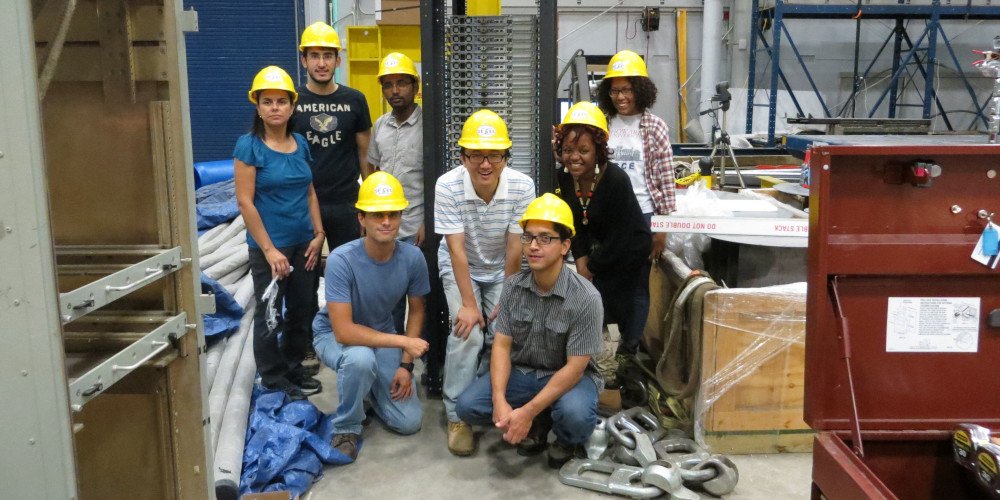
{"points": [[921, 54]]}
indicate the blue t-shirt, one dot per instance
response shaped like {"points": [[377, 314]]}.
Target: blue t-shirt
{"points": [[374, 288], [281, 189]]}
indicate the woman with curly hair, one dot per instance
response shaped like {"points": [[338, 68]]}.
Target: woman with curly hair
{"points": [[612, 239], [641, 146]]}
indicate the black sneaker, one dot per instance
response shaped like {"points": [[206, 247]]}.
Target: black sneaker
{"points": [[346, 443], [290, 390], [560, 453], [538, 436], [310, 364], [305, 383]]}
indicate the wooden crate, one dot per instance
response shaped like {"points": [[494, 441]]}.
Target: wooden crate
{"points": [[753, 370]]}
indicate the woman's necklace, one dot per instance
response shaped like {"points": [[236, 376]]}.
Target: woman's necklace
{"points": [[585, 200]]}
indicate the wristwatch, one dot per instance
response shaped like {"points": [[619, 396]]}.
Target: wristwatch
{"points": [[408, 366]]}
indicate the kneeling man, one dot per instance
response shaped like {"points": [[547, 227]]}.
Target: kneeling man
{"points": [[355, 335], [542, 373]]}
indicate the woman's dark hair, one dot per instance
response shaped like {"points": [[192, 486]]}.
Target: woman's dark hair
{"points": [[577, 130], [257, 128], [644, 92]]}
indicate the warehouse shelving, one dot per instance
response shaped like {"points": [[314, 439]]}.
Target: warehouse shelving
{"points": [[99, 290], [772, 14]]}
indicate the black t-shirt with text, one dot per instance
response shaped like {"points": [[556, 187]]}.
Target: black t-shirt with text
{"points": [[329, 122]]}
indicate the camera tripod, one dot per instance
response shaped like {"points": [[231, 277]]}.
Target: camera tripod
{"points": [[721, 144]]}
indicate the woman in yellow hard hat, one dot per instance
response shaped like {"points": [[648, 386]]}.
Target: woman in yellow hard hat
{"points": [[641, 145], [284, 232], [612, 238]]}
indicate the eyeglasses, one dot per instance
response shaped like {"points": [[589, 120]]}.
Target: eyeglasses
{"points": [[399, 84], [543, 239], [324, 56], [625, 92], [494, 158]]}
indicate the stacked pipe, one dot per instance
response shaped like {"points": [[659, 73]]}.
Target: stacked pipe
{"points": [[231, 369]]}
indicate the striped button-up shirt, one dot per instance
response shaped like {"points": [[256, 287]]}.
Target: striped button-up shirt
{"points": [[547, 328], [458, 209], [659, 160]]}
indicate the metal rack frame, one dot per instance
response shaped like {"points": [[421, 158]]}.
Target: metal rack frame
{"points": [[927, 42], [64, 343]]}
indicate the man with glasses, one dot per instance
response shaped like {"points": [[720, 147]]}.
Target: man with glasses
{"points": [[335, 121], [476, 209], [542, 373], [397, 147], [355, 334]]}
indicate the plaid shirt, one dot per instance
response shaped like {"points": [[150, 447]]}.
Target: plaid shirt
{"points": [[659, 163]]}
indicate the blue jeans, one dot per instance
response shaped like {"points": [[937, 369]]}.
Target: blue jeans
{"points": [[461, 361], [574, 414], [362, 372], [640, 305]]}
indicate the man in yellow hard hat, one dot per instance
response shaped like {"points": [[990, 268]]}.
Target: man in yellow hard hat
{"points": [[355, 335], [548, 330], [397, 146], [335, 121], [476, 209]]}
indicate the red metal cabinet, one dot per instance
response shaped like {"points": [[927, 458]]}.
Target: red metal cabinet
{"points": [[876, 233]]}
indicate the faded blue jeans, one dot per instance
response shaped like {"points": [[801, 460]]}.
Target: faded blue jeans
{"points": [[361, 372], [574, 414], [461, 361]]}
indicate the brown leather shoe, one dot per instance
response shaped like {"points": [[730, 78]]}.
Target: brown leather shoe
{"points": [[460, 440], [346, 443]]}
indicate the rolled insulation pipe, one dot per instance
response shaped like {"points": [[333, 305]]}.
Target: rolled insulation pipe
{"points": [[231, 231], [222, 253], [212, 359], [221, 386], [244, 294], [211, 234], [236, 275], [229, 452], [228, 265]]}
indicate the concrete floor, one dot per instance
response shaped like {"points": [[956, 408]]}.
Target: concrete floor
{"points": [[393, 466]]}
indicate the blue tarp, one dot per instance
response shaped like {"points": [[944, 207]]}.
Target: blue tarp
{"points": [[287, 444], [226, 318], [216, 204]]}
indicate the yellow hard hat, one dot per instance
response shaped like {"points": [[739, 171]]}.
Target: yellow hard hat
{"points": [[484, 130], [626, 63], [586, 113], [319, 34], [551, 208], [397, 64], [272, 78], [381, 192]]}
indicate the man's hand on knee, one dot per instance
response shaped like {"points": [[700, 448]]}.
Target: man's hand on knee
{"points": [[466, 319], [516, 425], [401, 386]]}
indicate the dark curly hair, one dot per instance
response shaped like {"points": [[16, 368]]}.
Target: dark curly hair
{"points": [[577, 130], [643, 88]]}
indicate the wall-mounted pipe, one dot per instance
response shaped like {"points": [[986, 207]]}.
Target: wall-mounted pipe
{"points": [[711, 53], [682, 70]]}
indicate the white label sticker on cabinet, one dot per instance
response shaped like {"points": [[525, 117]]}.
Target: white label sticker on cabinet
{"points": [[932, 324]]}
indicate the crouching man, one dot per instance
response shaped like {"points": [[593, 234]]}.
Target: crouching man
{"points": [[356, 336], [542, 374]]}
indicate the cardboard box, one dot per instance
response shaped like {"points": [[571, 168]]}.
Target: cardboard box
{"points": [[270, 495], [406, 12], [753, 370]]}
